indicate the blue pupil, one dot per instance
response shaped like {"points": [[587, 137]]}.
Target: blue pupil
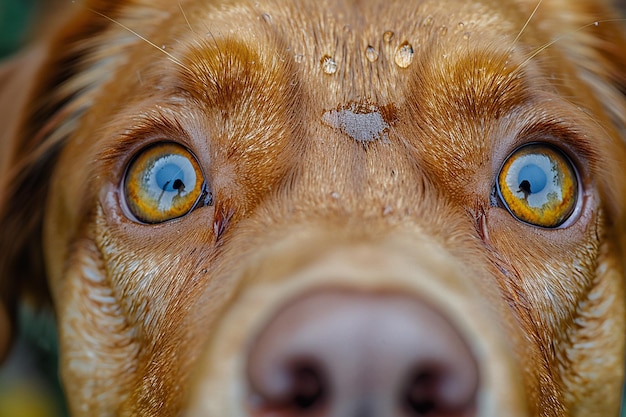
{"points": [[532, 178], [170, 177]]}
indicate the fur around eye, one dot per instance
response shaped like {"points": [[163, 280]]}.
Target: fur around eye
{"points": [[163, 182], [538, 185]]}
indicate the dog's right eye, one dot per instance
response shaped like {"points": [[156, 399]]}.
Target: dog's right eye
{"points": [[538, 184], [163, 182]]}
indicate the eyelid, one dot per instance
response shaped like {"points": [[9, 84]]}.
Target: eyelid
{"points": [[147, 129]]}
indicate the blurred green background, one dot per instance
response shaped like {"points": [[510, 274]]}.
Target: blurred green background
{"points": [[14, 23], [29, 384]]}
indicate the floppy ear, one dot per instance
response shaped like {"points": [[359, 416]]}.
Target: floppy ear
{"points": [[609, 67], [591, 35], [19, 259], [595, 42], [41, 102]]}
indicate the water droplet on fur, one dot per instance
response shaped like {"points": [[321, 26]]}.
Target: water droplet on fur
{"points": [[335, 195], [428, 21], [466, 35], [163, 47], [329, 66], [388, 36], [596, 24], [461, 25], [404, 55], [371, 54], [267, 18], [443, 30]]}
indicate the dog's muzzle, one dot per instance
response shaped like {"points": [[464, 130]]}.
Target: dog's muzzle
{"points": [[367, 331]]}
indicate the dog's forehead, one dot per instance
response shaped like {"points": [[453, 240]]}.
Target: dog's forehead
{"points": [[347, 50], [353, 64]]}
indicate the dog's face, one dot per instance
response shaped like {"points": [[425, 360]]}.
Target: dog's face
{"points": [[346, 208]]}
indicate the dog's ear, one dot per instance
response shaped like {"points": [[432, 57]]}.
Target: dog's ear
{"points": [[607, 69], [592, 36], [19, 257], [41, 103], [594, 39]]}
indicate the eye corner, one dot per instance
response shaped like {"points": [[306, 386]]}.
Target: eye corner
{"points": [[539, 184]]}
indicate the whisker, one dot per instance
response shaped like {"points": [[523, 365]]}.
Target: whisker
{"points": [[552, 42], [170, 56], [180, 6], [530, 18]]}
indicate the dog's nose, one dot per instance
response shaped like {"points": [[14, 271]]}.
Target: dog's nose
{"points": [[354, 354]]}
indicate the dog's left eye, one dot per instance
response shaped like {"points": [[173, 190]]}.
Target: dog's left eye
{"points": [[163, 182], [538, 184]]}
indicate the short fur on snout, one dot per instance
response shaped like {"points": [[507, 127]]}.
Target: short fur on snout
{"points": [[339, 144]]}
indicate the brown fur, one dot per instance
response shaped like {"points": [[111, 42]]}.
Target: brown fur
{"points": [[154, 319]]}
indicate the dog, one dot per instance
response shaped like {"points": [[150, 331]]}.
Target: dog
{"points": [[322, 208]]}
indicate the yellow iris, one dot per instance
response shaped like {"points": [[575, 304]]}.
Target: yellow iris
{"points": [[538, 185], [163, 182]]}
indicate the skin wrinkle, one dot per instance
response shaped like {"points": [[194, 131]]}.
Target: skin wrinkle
{"points": [[111, 339]]}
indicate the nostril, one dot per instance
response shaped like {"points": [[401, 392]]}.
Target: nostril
{"points": [[361, 354], [438, 391], [308, 388], [420, 393], [303, 390]]}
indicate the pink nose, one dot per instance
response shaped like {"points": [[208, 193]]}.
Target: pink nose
{"points": [[353, 354]]}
